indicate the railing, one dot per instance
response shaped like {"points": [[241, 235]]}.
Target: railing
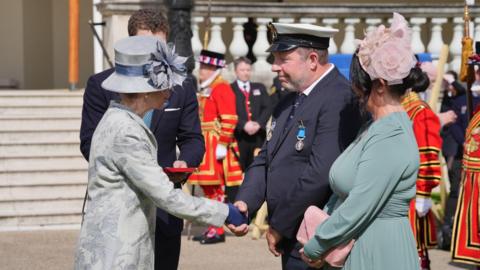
{"points": [[432, 25]]}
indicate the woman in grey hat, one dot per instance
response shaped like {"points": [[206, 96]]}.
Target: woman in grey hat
{"points": [[125, 182]]}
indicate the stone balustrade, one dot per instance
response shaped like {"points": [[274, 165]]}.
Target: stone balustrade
{"points": [[432, 26]]}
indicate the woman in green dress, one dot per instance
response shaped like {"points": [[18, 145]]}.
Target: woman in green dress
{"points": [[374, 179]]}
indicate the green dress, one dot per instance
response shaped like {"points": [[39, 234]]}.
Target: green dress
{"points": [[373, 181]]}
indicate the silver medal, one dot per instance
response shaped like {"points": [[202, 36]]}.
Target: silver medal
{"points": [[299, 145]]}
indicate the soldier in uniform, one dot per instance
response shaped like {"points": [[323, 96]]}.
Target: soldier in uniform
{"points": [[253, 110], [220, 168], [426, 127], [310, 127], [465, 246]]}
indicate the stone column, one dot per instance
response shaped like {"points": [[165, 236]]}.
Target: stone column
{"points": [[417, 44], [372, 23], [329, 22], [238, 47], [216, 43], [436, 41], [261, 68], [456, 44], [348, 45], [196, 43]]}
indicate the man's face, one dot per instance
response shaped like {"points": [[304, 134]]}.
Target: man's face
{"points": [[143, 32], [205, 72], [291, 68], [243, 71]]}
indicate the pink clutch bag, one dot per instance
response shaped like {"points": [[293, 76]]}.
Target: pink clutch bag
{"points": [[313, 217]]}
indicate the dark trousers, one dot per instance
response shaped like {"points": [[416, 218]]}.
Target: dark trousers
{"points": [[291, 259], [167, 251], [247, 145]]}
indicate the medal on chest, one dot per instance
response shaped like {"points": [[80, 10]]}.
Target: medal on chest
{"points": [[301, 134], [270, 130]]}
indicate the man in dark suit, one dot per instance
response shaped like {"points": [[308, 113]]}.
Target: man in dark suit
{"points": [[176, 125], [310, 128], [253, 110]]}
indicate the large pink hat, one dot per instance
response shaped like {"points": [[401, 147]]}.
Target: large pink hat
{"points": [[386, 53]]}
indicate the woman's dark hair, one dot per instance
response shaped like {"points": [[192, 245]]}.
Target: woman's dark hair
{"points": [[420, 78], [453, 73], [362, 83]]}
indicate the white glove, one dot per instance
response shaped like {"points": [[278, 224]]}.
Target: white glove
{"points": [[221, 151], [423, 205]]}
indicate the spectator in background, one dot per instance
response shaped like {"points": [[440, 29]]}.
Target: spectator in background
{"points": [[253, 110]]}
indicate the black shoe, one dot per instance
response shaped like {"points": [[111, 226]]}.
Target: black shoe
{"points": [[199, 237], [213, 240]]}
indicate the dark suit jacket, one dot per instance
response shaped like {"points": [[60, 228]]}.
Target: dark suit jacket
{"points": [[260, 109], [171, 127], [291, 180], [260, 105]]}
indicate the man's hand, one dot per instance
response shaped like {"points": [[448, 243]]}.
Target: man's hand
{"points": [[242, 229], [180, 164], [447, 117], [273, 238], [251, 127], [178, 177]]}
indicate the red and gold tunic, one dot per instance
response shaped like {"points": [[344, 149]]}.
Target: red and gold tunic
{"points": [[426, 127], [218, 118], [465, 246]]}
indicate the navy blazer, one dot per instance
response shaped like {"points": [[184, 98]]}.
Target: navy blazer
{"points": [[178, 124], [291, 180]]}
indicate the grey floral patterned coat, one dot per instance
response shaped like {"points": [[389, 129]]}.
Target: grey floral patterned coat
{"points": [[125, 183]]}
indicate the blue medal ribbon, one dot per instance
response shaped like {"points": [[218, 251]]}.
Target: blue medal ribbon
{"points": [[301, 132]]}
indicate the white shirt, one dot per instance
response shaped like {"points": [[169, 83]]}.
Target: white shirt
{"points": [[244, 86], [310, 88]]}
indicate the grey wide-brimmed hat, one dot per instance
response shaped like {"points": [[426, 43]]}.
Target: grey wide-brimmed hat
{"points": [[145, 64]]}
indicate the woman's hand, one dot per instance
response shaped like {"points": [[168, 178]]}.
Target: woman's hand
{"points": [[312, 263]]}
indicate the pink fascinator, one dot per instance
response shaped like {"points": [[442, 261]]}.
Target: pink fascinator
{"points": [[386, 53]]}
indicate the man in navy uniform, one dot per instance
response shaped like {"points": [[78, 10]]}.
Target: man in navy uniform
{"points": [[178, 124], [253, 107], [310, 128]]}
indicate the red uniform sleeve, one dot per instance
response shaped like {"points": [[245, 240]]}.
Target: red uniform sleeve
{"points": [[426, 127], [224, 100]]}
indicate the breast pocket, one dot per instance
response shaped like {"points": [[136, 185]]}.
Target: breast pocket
{"points": [[169, 122], [172, 114]]}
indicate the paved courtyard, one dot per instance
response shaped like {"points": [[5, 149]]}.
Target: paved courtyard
{"points": [[51, 250]]}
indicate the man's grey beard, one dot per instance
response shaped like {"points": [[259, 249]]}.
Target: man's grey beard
{"points": [[294, 86]]}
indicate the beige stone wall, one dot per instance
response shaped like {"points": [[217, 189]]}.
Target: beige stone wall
{"points": [[34, 47], [37, 48], [11, 47]]}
